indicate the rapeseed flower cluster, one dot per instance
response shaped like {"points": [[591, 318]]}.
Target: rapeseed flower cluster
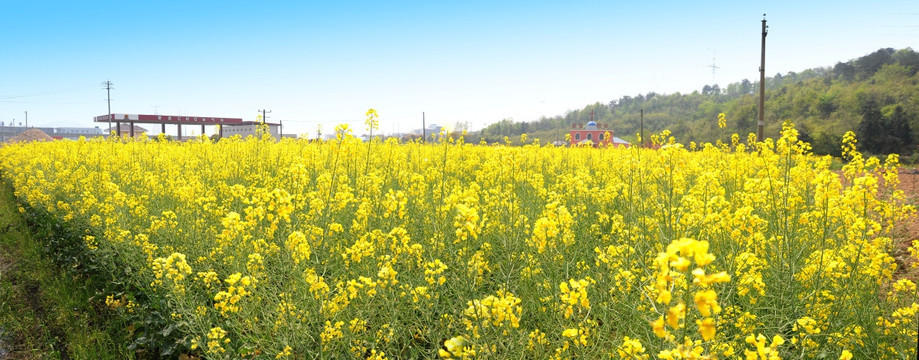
{"points": [[387, 249]]}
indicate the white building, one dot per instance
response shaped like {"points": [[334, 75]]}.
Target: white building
{"points": [[75, 132], [249, 128]]}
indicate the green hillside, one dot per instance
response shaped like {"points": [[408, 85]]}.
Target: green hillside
{"points": [[875, 95]]}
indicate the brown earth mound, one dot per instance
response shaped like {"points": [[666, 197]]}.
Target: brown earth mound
{"points": [[31, 135]]}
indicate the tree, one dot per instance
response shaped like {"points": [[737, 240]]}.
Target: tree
{"points": [[871, 63], [845, 71], [826, 104], [746, 87], [909, 59], [805, 135], [898, 125], [883, 135], [871, 132], [827, 144], [776, 80], [707, 90]]}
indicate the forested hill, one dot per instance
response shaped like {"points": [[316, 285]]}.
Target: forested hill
{"points": [[875, 95]]}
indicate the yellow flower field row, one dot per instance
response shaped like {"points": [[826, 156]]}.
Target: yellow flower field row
{"points": [[255, 249]]}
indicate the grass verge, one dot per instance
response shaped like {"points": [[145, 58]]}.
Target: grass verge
{"points": [[45, 312]]}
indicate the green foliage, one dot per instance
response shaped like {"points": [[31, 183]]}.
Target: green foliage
{"points": [[884, 134], [46, 312], [826, 102]]}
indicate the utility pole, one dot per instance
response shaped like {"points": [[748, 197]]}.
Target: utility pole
{"points": [[762, 84], [27, 118], [424, 130], [265, 115], [108, 93]]}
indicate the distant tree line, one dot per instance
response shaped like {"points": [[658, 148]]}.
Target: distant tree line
{"points": [[876, 95]]}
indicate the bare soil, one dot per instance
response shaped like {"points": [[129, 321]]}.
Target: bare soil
{"points": [[906, 232]]}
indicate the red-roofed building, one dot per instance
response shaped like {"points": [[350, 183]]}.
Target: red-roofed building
{"points": [[595, 135]]}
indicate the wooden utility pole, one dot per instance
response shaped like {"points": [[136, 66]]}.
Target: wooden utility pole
{"points": [[424, 130], [762, 84], [264, 115]]}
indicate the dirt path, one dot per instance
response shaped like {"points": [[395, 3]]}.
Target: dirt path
{"points": [[909, 230]]}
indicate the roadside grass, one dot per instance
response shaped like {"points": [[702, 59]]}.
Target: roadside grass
{"points": [[45, 312]]}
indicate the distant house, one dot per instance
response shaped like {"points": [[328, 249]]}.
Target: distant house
{"points": [[430, 130], [620, 142], [594, 135]]}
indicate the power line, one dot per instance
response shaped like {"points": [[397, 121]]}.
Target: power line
{"points": [[48, 103], [42, 93]]}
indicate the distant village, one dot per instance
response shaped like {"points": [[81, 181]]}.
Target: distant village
{"points": [[59, 133], [126, 125]]}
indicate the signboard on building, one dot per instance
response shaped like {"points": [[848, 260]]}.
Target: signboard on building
{"points": [[168, 119]]}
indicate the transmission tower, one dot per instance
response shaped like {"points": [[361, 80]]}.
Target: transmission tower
{"points": [[713, 66]]}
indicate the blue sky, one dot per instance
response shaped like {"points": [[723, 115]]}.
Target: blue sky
{"points": [[324, 63]]}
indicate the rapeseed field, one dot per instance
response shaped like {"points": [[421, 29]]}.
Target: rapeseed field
{"points": [[250, 248]]}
